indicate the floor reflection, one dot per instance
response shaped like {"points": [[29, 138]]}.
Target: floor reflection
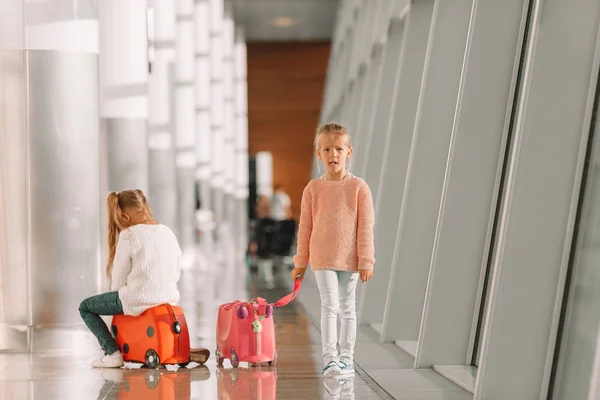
{"points": [[341, 388], [247, 383], [125, 383]]}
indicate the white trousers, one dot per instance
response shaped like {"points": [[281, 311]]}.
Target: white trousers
{"points": [[337, 290]]}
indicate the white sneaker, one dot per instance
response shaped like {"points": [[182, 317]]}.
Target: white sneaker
{"points": [[346, 368], [115, 360], [331, 369]]}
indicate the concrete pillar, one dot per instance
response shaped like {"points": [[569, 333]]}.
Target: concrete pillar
{"points": [[185, 127], [241, 138], [49, 175], [264, 173], [123, 91], [217, 112], [202, 80], [229, 122], [161, 120]]}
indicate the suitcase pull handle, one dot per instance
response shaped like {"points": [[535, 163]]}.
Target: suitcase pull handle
{"points": [[229, 306], [285, 300]]}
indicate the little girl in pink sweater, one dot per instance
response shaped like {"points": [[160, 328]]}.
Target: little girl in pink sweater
{"points": [[336, 237]]}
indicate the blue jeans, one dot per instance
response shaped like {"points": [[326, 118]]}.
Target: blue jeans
{"points": [[92, 308]]}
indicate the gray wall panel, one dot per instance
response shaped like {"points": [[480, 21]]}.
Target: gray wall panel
{"points": [[540, 200], [383, 110], [393, 172], [476, 155], [426, 169], [373, 80], [354, 112]]}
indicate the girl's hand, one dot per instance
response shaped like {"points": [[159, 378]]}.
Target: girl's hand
{"points": [[365, 274], [297, 272]]}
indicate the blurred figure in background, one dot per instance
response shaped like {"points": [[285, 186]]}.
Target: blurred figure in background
{"points": [[281, 204], [263, 207], [263, 241], [285, 225]]}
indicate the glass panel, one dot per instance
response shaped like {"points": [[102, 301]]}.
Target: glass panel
{"points": [[581, 320]]}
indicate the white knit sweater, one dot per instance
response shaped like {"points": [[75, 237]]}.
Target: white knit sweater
{"points": [[146, 268]]}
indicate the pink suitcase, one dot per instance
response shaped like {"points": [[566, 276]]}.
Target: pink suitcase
{"points": [[246, 331]]}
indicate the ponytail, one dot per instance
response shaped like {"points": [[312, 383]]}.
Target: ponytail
{"points": [[114, 228], [116, 203]]}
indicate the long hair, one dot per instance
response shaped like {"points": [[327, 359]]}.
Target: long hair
{"points": [[116, 202]]}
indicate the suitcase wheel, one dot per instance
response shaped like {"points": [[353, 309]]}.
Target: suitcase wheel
{"points": [[152, 359], [234, 359], [274, 362], [183, 365], [219, 357]]}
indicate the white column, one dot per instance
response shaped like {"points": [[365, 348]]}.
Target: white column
{"points": [[185, 131], [264, 173], [49, 177], [229, 122], [123, 91], [217, 111], [202, 16], [161, 120], [241, 137]]}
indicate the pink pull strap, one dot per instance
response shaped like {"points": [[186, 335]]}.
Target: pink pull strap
{"points": [[285, 300]]}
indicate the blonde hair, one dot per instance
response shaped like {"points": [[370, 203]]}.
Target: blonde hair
{"points": [[332, 127], [116, 202]]}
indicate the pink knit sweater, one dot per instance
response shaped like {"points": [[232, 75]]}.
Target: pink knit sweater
{"points": [[336, 226]]}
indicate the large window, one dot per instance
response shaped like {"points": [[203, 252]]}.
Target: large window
{"points": [[574, 376]]}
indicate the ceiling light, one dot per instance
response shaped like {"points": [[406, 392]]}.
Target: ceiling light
{"points": [[283, 22]]}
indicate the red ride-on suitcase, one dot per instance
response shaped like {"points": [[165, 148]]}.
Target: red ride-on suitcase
{"points": [[246, 332], [158, 336]]}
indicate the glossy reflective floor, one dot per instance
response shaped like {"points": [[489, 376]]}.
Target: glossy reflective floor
{"points": [[383, 370]]}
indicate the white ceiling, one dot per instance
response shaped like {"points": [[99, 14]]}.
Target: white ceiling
{"points": [[312, 20]]}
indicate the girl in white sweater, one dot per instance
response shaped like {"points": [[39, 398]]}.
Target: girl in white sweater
{"points": [[144, 266]]}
